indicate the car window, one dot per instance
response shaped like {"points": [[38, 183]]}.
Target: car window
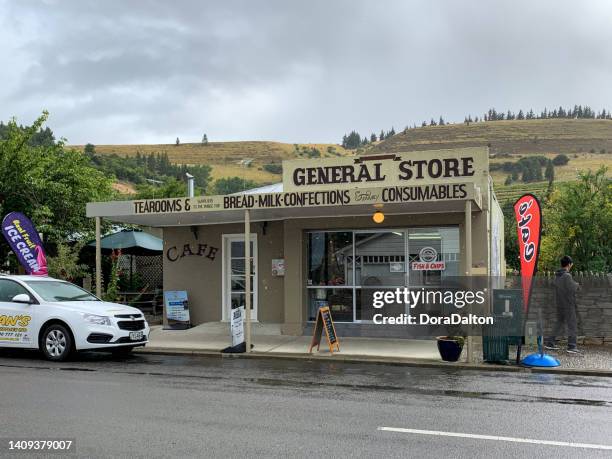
{"points": [[53, 290], [9, 288]]}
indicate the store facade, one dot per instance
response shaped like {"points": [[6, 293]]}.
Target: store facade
{"points": [[334, 231]]}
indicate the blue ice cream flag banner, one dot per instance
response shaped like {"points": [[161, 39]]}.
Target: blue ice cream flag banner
{"points": [[20, 233]]}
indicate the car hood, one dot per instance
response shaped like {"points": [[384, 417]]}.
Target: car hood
{"points": [[102, 308]]}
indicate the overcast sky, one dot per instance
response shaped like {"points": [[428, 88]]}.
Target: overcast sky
{"points": [[293, 71]]}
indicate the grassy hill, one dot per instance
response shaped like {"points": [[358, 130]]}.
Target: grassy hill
{"points": [[566, 136], [588, 144], [228, 159]]}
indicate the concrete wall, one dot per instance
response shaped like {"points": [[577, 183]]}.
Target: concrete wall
{"points": [[593, 301], [202, 276]]}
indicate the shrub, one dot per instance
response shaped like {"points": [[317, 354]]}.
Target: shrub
{"points": [[560, 160], [273, 168]]}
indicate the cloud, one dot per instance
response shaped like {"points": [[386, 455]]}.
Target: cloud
{"points": [[147, 72]]}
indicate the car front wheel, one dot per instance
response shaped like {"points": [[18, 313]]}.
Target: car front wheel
{"points": [[56, 343]]}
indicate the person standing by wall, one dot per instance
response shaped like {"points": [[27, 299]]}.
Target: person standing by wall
{"points": [[565, 301]]}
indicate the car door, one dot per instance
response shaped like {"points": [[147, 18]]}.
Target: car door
{"points": [[16, 319]]}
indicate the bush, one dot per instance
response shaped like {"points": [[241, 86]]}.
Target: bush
{"points": [[560, 160], [273, 168]]}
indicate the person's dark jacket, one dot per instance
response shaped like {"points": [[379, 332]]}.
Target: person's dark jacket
{"points": [[565, 290]]}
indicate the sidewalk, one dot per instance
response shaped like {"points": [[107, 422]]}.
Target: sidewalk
{"points": [[211, 338]]}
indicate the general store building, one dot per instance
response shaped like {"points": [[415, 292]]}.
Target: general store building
{"points": [[330, 233]]}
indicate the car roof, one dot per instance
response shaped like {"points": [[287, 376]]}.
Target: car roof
{"points": [[26, 277]]}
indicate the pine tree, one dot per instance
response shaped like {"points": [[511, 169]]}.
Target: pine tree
{"points": [[391, 132], [441, 121], [521, 115], [382, 135], [178, 142], [205, 139], [432, 122], [372, 137]]}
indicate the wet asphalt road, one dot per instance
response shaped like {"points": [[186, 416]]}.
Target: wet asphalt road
{"points": [[175, 406]]}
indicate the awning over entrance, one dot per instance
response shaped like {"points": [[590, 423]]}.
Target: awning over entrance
{"points": [[209, 210]]}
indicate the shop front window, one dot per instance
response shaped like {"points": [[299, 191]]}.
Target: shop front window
{"points": [[329, 258], [345, 268]]}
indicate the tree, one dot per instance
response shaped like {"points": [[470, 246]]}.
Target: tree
{"points": [[90, 149], [171, 188], [441, 121], [382, 135], [510, 238], [578, 223], [66, 264], [48, 183], [549, 172], [560, 160], [204, 139], [231, 185], [508, 180], [352, 141], [177, 143], [372, 137]]}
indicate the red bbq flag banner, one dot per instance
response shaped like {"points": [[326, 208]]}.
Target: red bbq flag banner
{"points": [[528, 215]]}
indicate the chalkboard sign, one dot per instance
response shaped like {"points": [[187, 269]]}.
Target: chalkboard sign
{"points": [[325, 322]]}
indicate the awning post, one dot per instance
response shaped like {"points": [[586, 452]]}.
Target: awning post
{"points": [[247, 278], [468, 266], [98, 259]]}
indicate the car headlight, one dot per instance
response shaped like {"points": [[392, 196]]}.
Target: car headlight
{"points": [[95, 319]]}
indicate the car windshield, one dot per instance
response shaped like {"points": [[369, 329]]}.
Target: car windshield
{"points": [[60, 291]]}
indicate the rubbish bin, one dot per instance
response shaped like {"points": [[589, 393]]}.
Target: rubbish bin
{"points": [[495, 341]]}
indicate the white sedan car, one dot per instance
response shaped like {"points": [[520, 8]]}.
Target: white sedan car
{"points": [[58, 318]]}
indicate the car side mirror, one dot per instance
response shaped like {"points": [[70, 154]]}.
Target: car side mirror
{"points": [[22, 298]]}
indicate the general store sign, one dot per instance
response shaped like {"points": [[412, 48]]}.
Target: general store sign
{"points": [[416, 168], [323, 198]]}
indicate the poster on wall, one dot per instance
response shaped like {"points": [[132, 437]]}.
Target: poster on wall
{"points": [[20, 233], [278, 267], [176, 310]]}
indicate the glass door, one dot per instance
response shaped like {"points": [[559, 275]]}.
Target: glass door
{"points": [[235, 274]]}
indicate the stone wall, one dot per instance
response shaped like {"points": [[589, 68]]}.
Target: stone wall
{"points": [[594, 304]]}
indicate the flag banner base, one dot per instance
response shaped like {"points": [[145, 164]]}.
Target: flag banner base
{"points": [[238, 349], [540, 360]]}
